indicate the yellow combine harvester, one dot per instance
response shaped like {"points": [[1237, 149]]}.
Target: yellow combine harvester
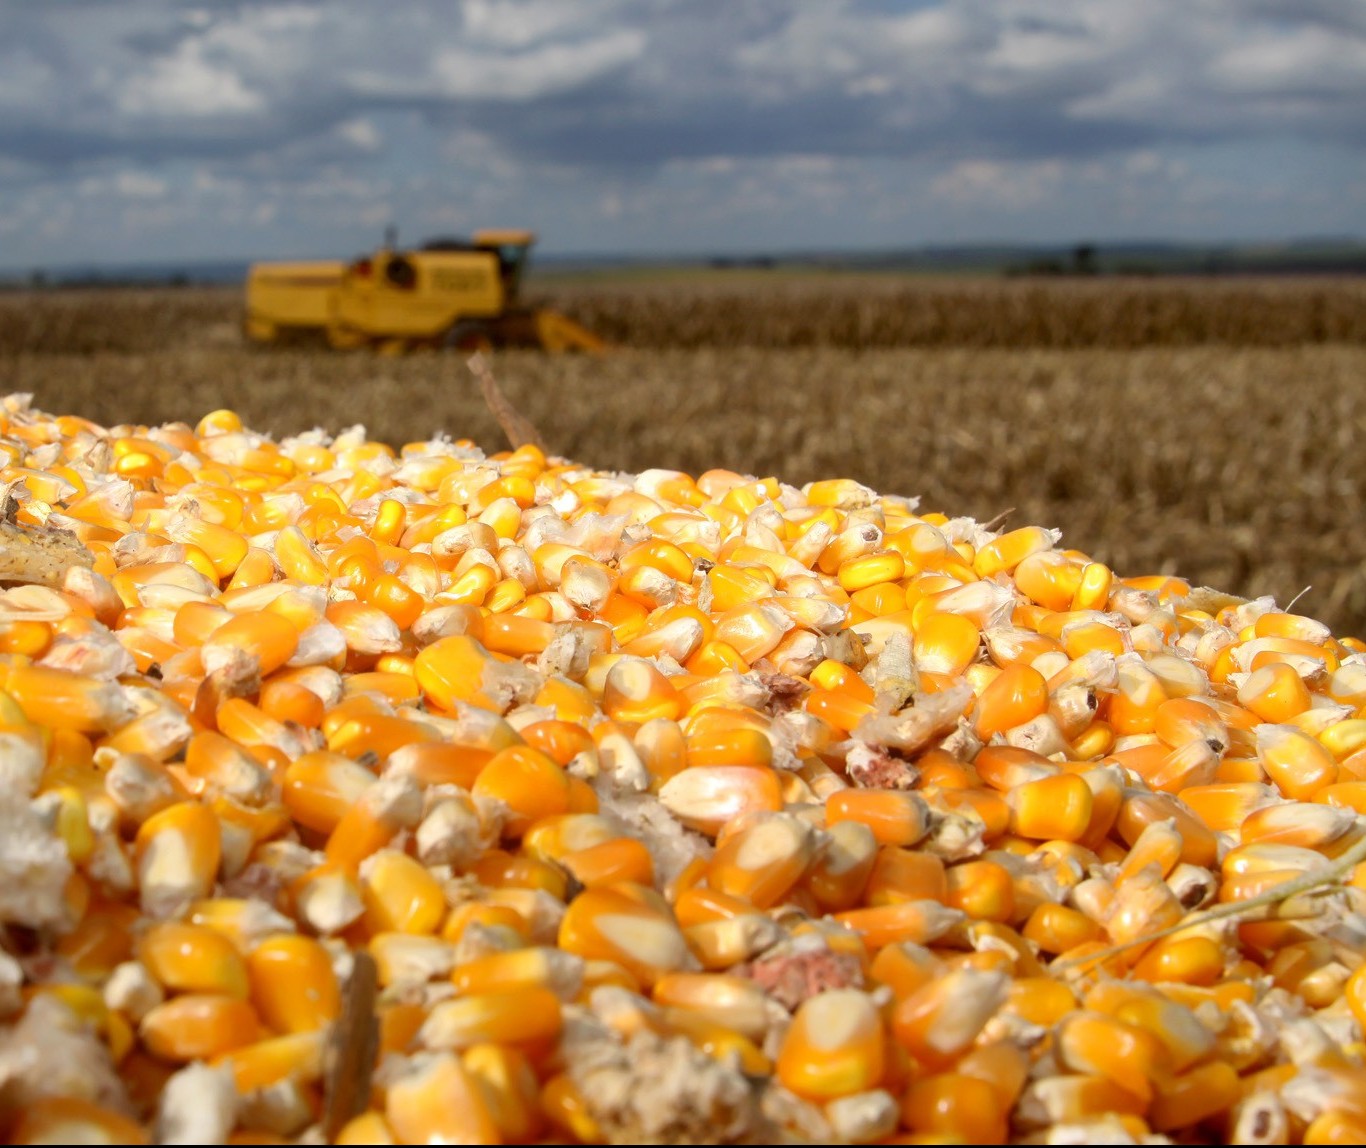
{"points": [[449, 293]]}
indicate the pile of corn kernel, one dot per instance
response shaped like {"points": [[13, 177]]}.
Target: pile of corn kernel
{"points": [[664, 809]]}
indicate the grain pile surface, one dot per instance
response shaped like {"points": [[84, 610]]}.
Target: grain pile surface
{"points": [[368, 795]]}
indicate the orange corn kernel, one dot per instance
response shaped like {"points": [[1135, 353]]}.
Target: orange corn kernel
{"points": [[761, 861], [1308, 826], [454, 669], [609, 923], [517, 635], [1275, 693], [499, 870], [834, 1046], [400, 895], [1040, 1000], [895, 817], [700, 903], [1005, 553], [1158, 844], [1007, 767], [1103, 1046], [193, 959], [1187, 960], [898, 874], [292, 983], [1003, 1065], [562, 741], [296, 1056], [379, 814], [437, 1101], [1017, 695], [938, 1022], [1296, 763], [1331, 1127], [268, 637], [177, 852], [1052, 808], [320, 787], [1132, 708], [728, 745], [919, 922], [1197, 1095], [842, 708], [637, 692], [957, 1107], [528, 782], [623, 859], [510, 1090], [946, 644], [60, 699], [285, 701], [1199, 846], [198, 1026], [1224, 806], [1056, 928], [981, 889]]}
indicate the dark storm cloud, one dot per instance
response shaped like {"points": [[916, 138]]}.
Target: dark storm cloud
{"points": [[608, 101]]}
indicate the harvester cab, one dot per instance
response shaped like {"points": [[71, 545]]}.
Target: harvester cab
{"points": [[448, 293]]}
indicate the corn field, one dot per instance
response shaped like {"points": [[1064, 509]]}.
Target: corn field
{"points": [[1207, 429]]}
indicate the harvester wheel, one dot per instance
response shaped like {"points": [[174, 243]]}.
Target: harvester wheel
{"points": [[469, 336]]}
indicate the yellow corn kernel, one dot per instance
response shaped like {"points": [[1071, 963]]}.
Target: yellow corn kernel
{"points": [[437, 1101], [527, 1018], [510, 1089], [1296, 763], [400, 895]]}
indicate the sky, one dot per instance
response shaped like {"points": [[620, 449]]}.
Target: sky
{"points": [[150, 131]]}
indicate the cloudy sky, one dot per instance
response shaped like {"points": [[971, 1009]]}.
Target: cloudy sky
{"points": [[152, 130]]}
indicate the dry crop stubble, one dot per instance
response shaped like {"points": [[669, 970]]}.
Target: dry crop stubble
{"points": [[1236, 467]]}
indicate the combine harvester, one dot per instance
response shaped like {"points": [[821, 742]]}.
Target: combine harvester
{"points": [[448, 293]]}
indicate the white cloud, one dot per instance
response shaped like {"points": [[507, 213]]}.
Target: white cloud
{"points": [[361, 134], [124, 185], [188, 85], [535, 73]]}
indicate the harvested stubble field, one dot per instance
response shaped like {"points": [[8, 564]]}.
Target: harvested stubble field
{"points": [[1210, 429]]}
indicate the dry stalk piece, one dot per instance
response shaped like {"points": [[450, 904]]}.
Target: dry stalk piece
{"points": [[349, 1061], [518, 428]]}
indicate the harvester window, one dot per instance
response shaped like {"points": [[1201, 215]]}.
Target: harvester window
{"points": [[511, 258], [401, 273]]}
